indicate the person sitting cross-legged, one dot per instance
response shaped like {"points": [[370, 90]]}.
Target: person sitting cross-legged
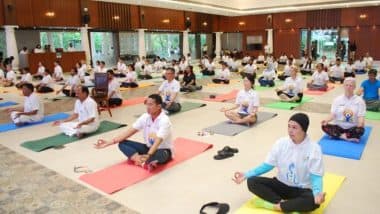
{"points": [[157, 147], [169, 90], [292, 89], [370, 89], [319, 79]]}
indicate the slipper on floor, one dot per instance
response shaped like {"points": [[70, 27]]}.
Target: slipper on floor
{"points": [[223, 155], [228, 149], [222, 207]]}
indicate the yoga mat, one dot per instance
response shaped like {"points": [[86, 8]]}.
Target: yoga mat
{"points": [[141, 85], [331, 184], [49, 118], [345, 149], [223, 97], [229, 129], [61, 139], [123, 175], [8, 103], [371, 115], [288, 105], [311, 92], [187, 106]]}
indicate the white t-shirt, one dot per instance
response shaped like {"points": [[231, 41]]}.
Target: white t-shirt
{"points": [[168, 89], [114, 86], [325, 63], [337, 71], [2, 75], [261, 58], [38, 50], [296, 162], [82, 71], [138, 65], [320, 78], [349, 68], [148, 69], [224, 74], [33, 103], [293, 86], [250, 69], [247, 100], [347, 110], [58, 73], [269, 74], [209, 66], [160, 127], [287, 70], [73, 80], [86, 110], [48, 81], [41, 70], [131, 76], [246, 59], [183, 65], [11, 76], [121, 67], [26, 77], [368, 60], [359, 65]]}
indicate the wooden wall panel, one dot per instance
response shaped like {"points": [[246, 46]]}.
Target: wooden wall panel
{"points": [[244, 23], [40, 7], [254, 33], [24, 13], [114, 16], [10, 13], [287, 41], [67, 13], [134, 16], [198, 20], [93, 11], [323, 18], [153, 18], [1, 12], [366, 37], [298, 20], [351, 16]]}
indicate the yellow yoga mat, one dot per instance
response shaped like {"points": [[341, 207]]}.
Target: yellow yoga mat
{"points": [[331, 184], [141, 85]]}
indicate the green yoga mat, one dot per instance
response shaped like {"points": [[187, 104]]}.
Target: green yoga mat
{"points": [[61, 139], [371, 115], [287, 105], [187, 106]]}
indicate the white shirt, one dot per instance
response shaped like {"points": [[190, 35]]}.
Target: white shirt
{"points": [[261, 58], [32, 103], [337, 71], [26, 77], [320, 78], [368, 61], [82, 71], [246, 59], [138, 65], [250, 69], [325, 63], [269, 74], [148, 69], [114, 86], [160, 127], [296, 162], [47, 80], [169, 89], [224, 74], [2, 75], [349, 68], [283, 58], [183, 65], [347, 110], [359, 65], [86, 110], [41, 70], [11, 76], [58, 73], [121, 67], [293, 86], [209, 66], [38, 50], [73, 81], [131, 76], [287, 70], [247, 100]]}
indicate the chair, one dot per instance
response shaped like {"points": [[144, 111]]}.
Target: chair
{"points": [[100, 92]]}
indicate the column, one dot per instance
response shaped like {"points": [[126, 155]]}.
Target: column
{"points": [[85, 43], [10, 40], [218, 44], [185, 43], [141, 33], [50, 41], [269, 41]]}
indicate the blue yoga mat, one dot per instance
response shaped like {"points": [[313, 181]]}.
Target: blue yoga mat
{"points": [[8, 103], [345, 149], [49, 118]]}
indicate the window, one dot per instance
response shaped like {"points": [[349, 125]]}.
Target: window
{"points": [[165, 45], [232, 41], [129, 43], [3, 47], [61, 39]]}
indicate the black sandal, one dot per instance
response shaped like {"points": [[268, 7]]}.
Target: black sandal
{"points": [[223, 155], [228, 149], [222, 207]]}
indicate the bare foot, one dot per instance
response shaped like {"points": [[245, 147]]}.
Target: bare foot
{"points": [[344, 137], [320, 198]]}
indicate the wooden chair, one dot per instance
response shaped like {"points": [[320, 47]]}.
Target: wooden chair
{"points": [[100, 92]]}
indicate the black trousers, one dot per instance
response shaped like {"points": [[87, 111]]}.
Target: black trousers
{"points": [[44, 89], [114, 101], [336, 131], [129, 85], [282, 77], [67, 93], [347, 74], [173, 108], [293, 199], [300, 95], [206, 72], [145, 76], [217, 81]]}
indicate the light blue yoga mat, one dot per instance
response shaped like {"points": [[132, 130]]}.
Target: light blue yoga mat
{"points": [[49, 118], [345, 149], [8, 103]]}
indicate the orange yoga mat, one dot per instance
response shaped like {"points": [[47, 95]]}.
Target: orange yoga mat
{"points": [[223, 97], [123, 175], [311, 92]]}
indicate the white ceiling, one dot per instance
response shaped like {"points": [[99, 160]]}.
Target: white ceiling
{"points": [[248, 7]]}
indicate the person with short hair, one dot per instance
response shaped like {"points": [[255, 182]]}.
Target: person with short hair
{"points": [[121, 68], [157, 148], [287, 70], [114, 95], [337, 72], [40, 71], [72, 83], [292, 89], [188, 83], [85, 118], [368, 60], [131, 78], [347, 113], [11, 78], [370, 90], [46, 84], [169, 90], [249, 69], [360, 66], [146, 71], [247, 102], [268, 76], [349, 70], [319, 79], [223, 76], [26, 77], [306, 67], [298, 186], [58, 72], [208, 67], [32, 111]]}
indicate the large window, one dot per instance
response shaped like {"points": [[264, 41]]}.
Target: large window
{"points": [[102, 48], [231, 41], [165, 45], [129, 43], [192, 46], [61, 39], [3, 47]]}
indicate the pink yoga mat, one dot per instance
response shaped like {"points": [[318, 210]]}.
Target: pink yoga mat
{"points": [[122, 175], [223, 97], [311, 92]]}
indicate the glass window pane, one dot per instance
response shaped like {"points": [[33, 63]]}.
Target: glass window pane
{"points": [[72, 37], [231, 41], [3, 47], [129, 42], [165, 45]]}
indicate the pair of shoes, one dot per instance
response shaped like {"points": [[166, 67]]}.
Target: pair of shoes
{"points": [[226, 152]]}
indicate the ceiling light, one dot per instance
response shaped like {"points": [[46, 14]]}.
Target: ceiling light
{"points": [[241, 23], [363, 16], [166, 21], [204, 23], [116, 17], [50, 14], [288, 20]]}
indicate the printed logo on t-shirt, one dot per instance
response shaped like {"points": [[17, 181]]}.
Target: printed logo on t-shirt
{"points": [[348, 115], [291, 174]]}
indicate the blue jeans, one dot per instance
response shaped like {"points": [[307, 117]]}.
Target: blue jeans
{"points": [[129, 148]]}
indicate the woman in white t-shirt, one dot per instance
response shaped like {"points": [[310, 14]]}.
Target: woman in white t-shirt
{"points": [[114, 95], [360, 66], [307, 67], [40, 71], [247, 102], [26, 77], [11, 77], [268, 76], [347, 112], [349, 70], [292, 89], [146, 71], [298, 186], [130, 78], [121, 68], [319, 79], [223, 76], [72, 83], [46, 84], [58, 72], [287, 70]]}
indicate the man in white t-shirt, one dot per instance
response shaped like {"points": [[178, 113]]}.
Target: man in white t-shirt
{"points": [[169, 90], [114, 95], [32, 111], [85, 112], [72, 83], [58, 72], [337, 72], [157, 147], [249, 69], [11, 78], [368, 61], [298, 186], [292, 89], [319, 79]]}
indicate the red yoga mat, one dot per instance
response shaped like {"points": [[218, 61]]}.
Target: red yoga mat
{"points": [[123, 175], [223, 97], [133, 101], [312, 92]]}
